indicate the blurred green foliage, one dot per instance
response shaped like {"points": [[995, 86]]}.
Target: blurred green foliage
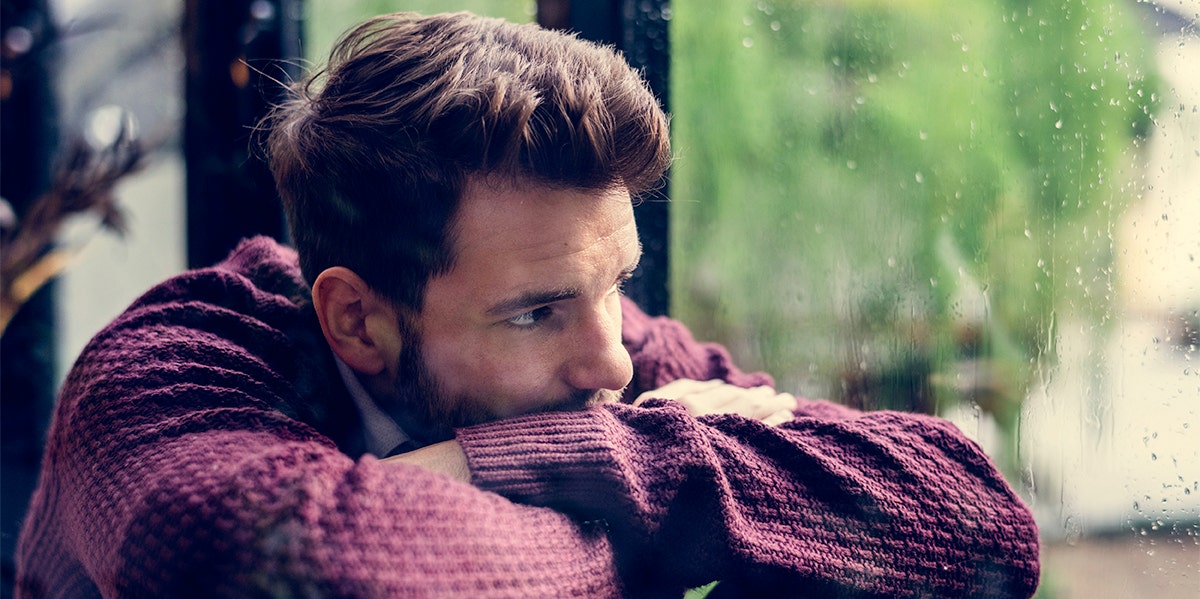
{"points": [[887, 203]]}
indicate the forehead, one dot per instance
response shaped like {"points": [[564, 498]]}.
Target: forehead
{"points": [[534, 221]]}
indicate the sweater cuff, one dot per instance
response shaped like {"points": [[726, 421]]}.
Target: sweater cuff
{"points": [[545, 459]]}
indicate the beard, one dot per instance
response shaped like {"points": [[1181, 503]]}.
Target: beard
{"points": [[429, 414]]}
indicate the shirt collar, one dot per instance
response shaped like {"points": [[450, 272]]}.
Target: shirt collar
{"points": [[380, 431]]}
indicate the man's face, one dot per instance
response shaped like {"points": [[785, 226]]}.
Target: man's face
{"points": [[529, 318]]}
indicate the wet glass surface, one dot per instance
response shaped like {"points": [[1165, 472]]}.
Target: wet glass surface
{"points": [[985, 210]]}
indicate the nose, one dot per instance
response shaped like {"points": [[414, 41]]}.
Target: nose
{"points": [[597, 359]]}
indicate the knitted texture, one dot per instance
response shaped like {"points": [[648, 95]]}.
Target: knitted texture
{"points": [[203, 443]]}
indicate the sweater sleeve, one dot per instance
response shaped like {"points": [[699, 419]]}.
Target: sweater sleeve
{"points": [[172, 472], [835, 503]]}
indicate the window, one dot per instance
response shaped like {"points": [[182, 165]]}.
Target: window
{"points": [[980, 209]]}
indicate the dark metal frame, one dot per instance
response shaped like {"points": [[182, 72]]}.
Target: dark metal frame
{"points": [[28, 135], [639, 29], [238, 53]]}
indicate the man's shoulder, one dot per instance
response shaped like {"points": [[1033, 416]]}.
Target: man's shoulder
{"points": [[246, 319], [254, 299], [265, 261], [259, 276]]}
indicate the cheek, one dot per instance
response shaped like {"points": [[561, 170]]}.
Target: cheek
{"points": [[494, 369]]}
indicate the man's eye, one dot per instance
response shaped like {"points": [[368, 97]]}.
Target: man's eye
{"points": [[620, 286], [531, 318]]}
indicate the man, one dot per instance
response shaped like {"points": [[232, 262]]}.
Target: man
{"points": [[459, 190]]}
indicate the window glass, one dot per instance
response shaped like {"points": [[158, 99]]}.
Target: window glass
{"points": [[117, 66], [983, 209]]}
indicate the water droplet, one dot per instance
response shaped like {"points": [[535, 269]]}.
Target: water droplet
{"points": [[1073, 530], [1058, 125], [747, 42], [920, 177]]}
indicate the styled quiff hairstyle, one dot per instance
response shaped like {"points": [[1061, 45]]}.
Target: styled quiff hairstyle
{"points": [[372, 154]]}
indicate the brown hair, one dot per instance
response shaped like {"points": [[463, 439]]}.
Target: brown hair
{"points": [[372, 154]]}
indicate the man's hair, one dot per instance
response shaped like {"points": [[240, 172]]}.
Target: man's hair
{"points": [[373, 152]]}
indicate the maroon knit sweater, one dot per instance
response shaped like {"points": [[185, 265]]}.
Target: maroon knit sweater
{"points": [[204, 446]]}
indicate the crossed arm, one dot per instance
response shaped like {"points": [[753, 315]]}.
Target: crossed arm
{"points": [[700, 398], [875, 505]]}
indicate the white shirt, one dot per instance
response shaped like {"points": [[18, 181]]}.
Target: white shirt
{"points": [[381, 432]]}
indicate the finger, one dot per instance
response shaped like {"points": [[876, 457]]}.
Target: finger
{"points": [[789, 401], [729, 399], [781, 402], [763, 405], [755, 402], [711, 399], [678, 388], [778, 418]]}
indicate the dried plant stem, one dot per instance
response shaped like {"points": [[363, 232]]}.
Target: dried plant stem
{"points": [[30, 280], [83, 184]]}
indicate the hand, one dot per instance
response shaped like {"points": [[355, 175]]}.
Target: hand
{"points": [[446, 457], [719, 397]]}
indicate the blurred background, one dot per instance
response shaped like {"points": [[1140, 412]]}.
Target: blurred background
{"points": [[983, 209]]}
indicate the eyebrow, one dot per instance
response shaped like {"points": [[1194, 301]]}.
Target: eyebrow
{"points": [[637, 261], [541, 297], [523, 302]]}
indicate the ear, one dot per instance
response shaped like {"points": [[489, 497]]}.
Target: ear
{"points": [[360, 326]]}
